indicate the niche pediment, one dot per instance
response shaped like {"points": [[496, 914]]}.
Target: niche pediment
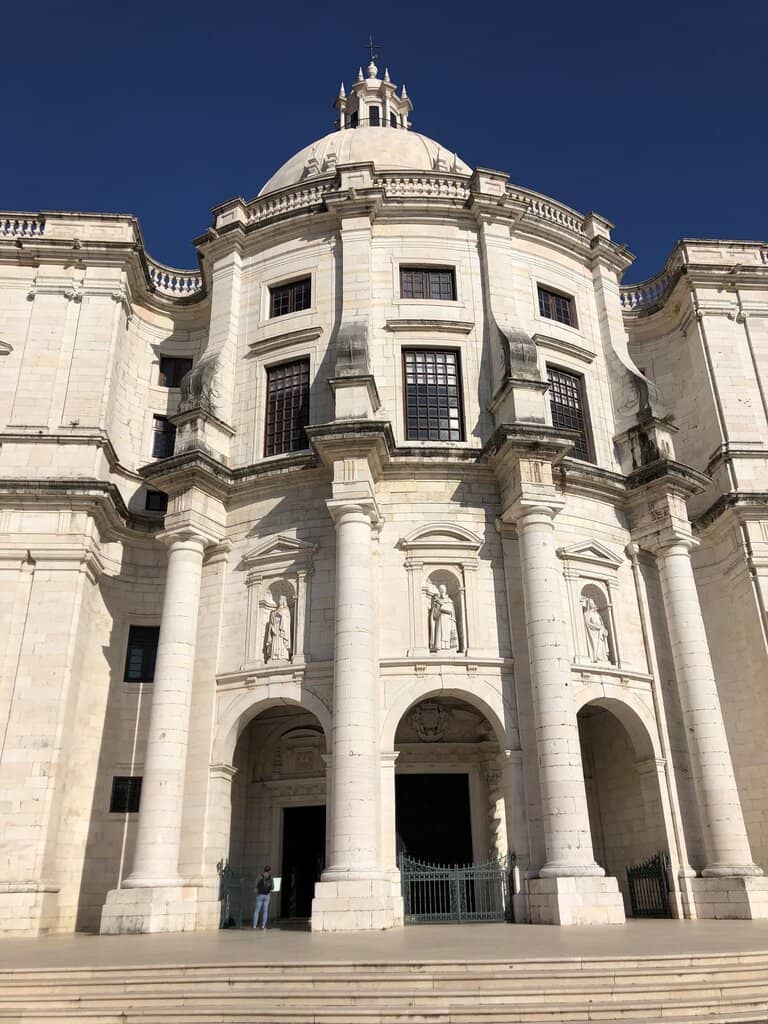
{"points": [[591, 552], [280, 553], [444, 539]]}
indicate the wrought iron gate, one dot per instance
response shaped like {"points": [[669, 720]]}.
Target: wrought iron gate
{"points": [[441, 892], [236, 892], [649, 887]]}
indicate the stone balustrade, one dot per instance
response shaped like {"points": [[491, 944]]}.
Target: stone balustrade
{"points": [[647, 293], [175, 284], [22, 227]]}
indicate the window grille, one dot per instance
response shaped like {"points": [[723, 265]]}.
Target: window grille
{"points": [[425, 283], [291, 297], [287, 407], [432, 395], [374, 117], [141, 654], [126, 794], [568, 405], [557, 307], [163, 437], [172, 369]]}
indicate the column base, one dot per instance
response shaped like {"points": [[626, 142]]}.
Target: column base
{"points": [[160, 909], [28, 908], [740, 897], [365, 904], [583, 899]]}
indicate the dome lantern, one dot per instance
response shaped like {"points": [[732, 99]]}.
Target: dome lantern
{"points": [[373, 102]]}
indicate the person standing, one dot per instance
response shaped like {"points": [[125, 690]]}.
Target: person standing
{"points": [[265, 885]]}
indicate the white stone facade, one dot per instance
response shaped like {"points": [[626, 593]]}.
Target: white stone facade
{"points": [[599, 674]]}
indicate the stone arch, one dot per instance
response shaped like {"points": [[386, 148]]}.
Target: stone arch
{"points": [[624, 782], [485, 699], [248, 705], [636, 717]]}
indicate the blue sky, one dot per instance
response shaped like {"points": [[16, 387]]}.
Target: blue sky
{"points": [[653, 114]]}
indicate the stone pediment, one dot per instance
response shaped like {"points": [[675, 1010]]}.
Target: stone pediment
{"points": [[443, 537], [592, 552], [281, 552]]}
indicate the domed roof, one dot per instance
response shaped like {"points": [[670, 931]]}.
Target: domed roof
{"points": [[388, 149]]}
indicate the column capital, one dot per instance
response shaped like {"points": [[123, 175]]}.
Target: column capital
{"points": [[522, 511], [345, 509], [192, 535]]}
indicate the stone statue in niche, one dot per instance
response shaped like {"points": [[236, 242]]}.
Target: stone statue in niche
{"points": [[443, 634], [597, 632], [278, 645], [430, 720]]}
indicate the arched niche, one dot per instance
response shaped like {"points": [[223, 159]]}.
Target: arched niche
{"points": [[599, 642], [441, 554]]}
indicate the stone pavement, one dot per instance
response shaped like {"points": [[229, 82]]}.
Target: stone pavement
{"points": [[473, 942]]}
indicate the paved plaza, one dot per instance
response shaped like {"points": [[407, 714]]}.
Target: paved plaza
{"points": [[479, 942]]}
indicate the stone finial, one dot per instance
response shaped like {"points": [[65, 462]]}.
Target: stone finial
{"points": [[342, 92], [360, 74], [373, 71], [403, 93], [386, 75]]}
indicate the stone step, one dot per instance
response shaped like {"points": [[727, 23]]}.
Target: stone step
{"points": [[227, 980]]}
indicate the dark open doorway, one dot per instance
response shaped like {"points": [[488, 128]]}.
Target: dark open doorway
{"points": [[303, 858], [433, 817]]}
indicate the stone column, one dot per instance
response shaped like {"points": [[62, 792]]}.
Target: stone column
{"points": [[354, 849], [567, 835], [725, 836], [152, 897], [571, 888], [354, 892]]}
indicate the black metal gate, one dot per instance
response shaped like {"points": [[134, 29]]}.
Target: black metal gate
{"points": [[441, 892], [236, 892], [649, 887]]}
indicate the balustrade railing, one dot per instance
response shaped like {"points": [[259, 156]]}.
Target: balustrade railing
{"points": [[288, 202], [176, 284], [22, 227]]}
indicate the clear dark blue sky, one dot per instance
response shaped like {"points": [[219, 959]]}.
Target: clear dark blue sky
{"points": [[654, 114]]}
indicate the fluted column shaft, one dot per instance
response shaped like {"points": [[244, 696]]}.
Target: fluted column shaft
{"points": [[355, 761], [156, 860], [725, 836], [567, 836]]}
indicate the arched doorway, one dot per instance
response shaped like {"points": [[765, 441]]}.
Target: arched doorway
{"points": [[278, 810], [449, 807], [623, 795]]}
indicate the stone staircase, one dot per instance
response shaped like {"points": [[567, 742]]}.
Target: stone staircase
{"points": [[705, 989]]}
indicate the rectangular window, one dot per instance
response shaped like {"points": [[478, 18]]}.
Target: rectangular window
{"points": [[558, 307], [172, 369], [156, 501], [393, 120], [569, 409], [424, 283], [163, 437], [126, 794], [141, 654], [291, 297], [374, 112], [432, 395], [287, 407]]}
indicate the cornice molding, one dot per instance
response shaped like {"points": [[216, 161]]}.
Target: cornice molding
{"points": [[413, 323]]}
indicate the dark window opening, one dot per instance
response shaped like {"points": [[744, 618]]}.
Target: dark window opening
{"points": [[291, 297], [141, 654], [156, 501], [432, 395], [424, 283], [393, 120], [557, 307], [287, 407], [374, 118], [163, 437], [568, 405], [354, 120], [172, 369], [126, 794]]}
